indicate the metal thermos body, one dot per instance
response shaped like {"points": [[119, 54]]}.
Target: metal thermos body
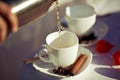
{"points": [[27, 10]]}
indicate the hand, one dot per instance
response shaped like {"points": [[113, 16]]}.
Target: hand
{"points": [[8, 20]]}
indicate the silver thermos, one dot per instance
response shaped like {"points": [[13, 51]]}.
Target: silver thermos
{"points": [[27, 10]]}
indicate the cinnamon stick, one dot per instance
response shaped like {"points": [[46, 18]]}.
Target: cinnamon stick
{"points": [[78, 64], [27, 61]]}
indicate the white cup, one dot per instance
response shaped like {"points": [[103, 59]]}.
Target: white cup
{"points": [[80, 18], [63, 53]]}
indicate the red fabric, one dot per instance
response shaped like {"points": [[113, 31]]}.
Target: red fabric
{"points": [[103, 46], [116, 57]]}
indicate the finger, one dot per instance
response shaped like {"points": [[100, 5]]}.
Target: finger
{"points": [[13, 22], [3, 29], [11, 18], [4, 8]]}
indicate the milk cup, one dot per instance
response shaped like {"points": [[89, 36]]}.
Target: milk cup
{"points": [[80, 18], [62, 50]]}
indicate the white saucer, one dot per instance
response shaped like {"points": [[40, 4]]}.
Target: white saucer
{"points": [[47, 68], [100, 29]]}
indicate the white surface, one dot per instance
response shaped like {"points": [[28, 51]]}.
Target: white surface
{"points": [[103, 7]]}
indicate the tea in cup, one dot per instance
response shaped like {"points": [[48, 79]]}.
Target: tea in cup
{"points": [[80, 18], [62, 49]]}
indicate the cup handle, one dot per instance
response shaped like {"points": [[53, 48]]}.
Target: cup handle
{"points": [[42, 52]]}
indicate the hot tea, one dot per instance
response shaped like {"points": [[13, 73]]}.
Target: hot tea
{"points": [[58, 21]]}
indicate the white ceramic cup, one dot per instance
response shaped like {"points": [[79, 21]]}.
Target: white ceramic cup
{"points": [[63, 53], [80, 18]]}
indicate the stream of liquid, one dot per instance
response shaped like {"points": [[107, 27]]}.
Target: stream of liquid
{"points": [[58, 22]]}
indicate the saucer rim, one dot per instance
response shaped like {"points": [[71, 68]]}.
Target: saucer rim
{"points": [[84, 67], [98, 21]]}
